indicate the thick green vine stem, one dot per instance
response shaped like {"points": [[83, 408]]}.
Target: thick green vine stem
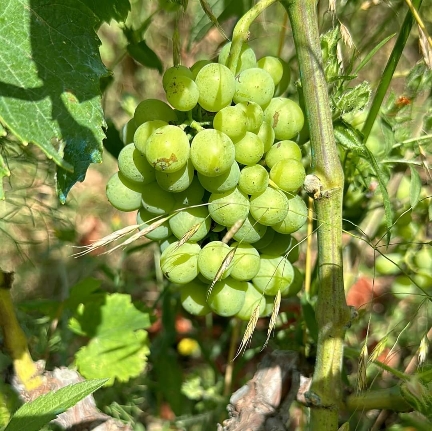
{"points": [[332, 313], [241, 32]]}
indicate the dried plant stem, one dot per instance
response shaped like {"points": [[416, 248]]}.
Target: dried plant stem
{"points": [[332, 313], [14, 338]]}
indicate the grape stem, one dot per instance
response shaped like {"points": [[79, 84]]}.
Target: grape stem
{"points": [[331, 312], [241, 32]]}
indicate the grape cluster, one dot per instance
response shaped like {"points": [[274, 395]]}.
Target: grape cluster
{"points": [[220, 162]]}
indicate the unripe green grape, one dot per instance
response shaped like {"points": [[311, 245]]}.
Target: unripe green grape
{"points": [[145, 219], [423, 280], [288, 174], [166, 242], [176, 181], [134, 166], [179, 264], [211, 258], [267, 135], [253, 179], [294, 252], [196, 218], [254, 115], [144, 131], [265, 240], [123, 194], [279, 245], [286, 78], [182, 93], [282, 150], [246, 60], [127, 132], [250, 231], [246, 261], [296, 217], [285, 116], [168, 149], [222, 183], [254, 85], [228, 207], [275, 273], [253, 299], [193, 297], [423, 258], [403, 285], [269, 207], [216, 85], [153, 109], [212, 152], [192, 195], [295, 286], [156, 200], [173, 73], [249, 149], [232, 121], [387, 265], [197, 66], [268, 307], [227, 297], [273, 66]]}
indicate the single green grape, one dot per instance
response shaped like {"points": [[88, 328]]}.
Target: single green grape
{"points": [[269, 207], [156, 200], [222, 183], [389, 264], [177, 181], [282, 150], [182, 93], [267, 135], [254, 115], [275, 273], [153, 109], [273, 66], [246, 261], [212, 152], [232, 121], [173, 73], [179, 263], [168, 149], [285, 116], [295, 286], [193, 195], [227, 208], [253, 179], [127, 132], [194, 220], [295, 218], [265, 240], [216, 85], [253, 299], [144, 131], [246, 60], [123, 194], [288, 174], [279, 245], [146, 219], [254, 85], [134, 166], [250, 231], [249, 149], [193, 297], [227, 297], [211, 259]]}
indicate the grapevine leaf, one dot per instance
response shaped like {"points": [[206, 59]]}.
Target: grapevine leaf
{"points": [[51, 69], [143, 54], [32, 416], [106, 10], [120, 356], [415, 187], [102, 319]]}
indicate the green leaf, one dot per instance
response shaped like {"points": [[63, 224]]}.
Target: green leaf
{"points": [[348, 137], [354, 99], [106, 10], [82, 293], [109, 318], [49, 86], [33, 415], [418, 395], [309, 318], [122, 357], [415, 187], [146, 56]]}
